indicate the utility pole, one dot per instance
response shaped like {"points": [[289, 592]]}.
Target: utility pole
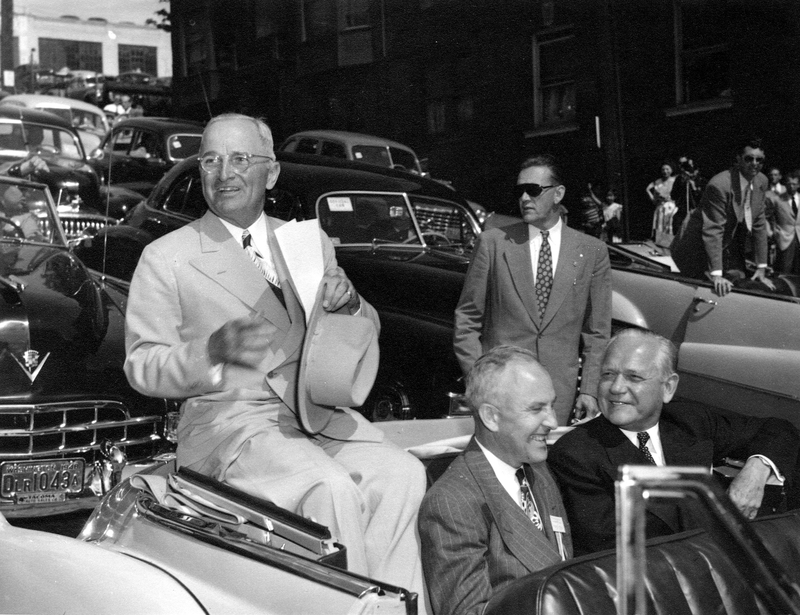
{"points": [[6, 38]]}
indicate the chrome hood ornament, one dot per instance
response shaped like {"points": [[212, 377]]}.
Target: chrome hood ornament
{"points": [[30, 363]]}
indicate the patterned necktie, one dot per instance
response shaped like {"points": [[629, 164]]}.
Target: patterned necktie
{"points": [[263, 266], [643, 437], [544, 275], [528, 503], [748, 210]]}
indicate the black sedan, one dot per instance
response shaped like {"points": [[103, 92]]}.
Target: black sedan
{"points": [[403, 240], [68, 419]]}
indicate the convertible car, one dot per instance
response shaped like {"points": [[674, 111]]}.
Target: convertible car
{"points": [[69, 422], [405, 242]]}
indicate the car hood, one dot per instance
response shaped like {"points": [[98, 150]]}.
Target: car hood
{"points": [[73, 176], [53, 322]]}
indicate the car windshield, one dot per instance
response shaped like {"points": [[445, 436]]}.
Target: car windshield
{"points": [[367, 218], [17, 139], [26, 215]]}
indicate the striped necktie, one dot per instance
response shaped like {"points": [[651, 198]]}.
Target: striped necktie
{"points": [[263, 266], [528, 501]]}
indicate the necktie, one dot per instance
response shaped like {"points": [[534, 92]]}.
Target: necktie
{"points": [[544, 275], [263, 265], [643, 437], [795, 198], [528, 503], [748, 210]]}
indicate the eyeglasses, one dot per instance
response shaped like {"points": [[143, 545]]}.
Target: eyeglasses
{"points": [[239, 161], [756, 159], [532, 190]]}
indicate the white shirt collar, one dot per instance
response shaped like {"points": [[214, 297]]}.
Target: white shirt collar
{"points": [[506, 474], [257, 230], [555, 232]]}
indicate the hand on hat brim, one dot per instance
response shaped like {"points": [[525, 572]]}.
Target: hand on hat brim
{"points": [[338, 291]]}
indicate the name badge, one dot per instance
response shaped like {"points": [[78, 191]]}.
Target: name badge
{"points": [[558, 524]]}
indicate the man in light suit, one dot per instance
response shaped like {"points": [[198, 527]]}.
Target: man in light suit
{"points": [[208, 322], [550, 296], [478, 529], [638, 425], [783, 213], [713, 241]]}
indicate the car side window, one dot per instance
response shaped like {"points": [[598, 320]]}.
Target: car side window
{"points": [[174, 201], [283, 204], [306, 146], [183, 146], [145, 145], [195, 204], [334, 150], [121, 140]]}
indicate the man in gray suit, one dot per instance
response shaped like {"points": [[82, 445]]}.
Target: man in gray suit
{"points": [[543, 286], [211, 322], [495, 515]]}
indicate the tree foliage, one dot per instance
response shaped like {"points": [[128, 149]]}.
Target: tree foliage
{"points": [[164, 19]]}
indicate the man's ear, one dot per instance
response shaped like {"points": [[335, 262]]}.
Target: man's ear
{"points": [[560, 191], [488, 415], [670, 386]]}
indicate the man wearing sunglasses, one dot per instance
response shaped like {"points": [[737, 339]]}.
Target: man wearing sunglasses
{"points": [[214, 317], [713, 240], [543, 286]]}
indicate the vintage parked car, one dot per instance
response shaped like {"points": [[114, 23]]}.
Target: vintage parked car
{"points": [[138, 151], [68, 419], [741, 351], [71, 179], [354, 146], [89, 120]]}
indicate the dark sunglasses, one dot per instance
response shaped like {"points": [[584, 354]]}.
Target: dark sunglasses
{"points": [[532, 190], [756, 159]]}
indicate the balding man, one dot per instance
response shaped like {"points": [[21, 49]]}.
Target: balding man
{"points": [[214, 318], [639, 425], [495, 515]]}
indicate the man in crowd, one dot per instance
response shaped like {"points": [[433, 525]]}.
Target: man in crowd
{"points": [[731, 212], [543, 286], [19, 219], [495, 515], [214, 318], [638, 425], [782, 214]]}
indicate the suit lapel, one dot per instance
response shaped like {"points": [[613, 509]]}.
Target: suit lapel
{"points": [[517, 255], [738, 195], [223, 261], [528, 544]]}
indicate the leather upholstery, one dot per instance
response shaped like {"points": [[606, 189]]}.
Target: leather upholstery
{"points": [[687, 573]]}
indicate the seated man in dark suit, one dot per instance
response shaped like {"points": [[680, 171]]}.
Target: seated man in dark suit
{"points": [[638, 425], [495, 515]]}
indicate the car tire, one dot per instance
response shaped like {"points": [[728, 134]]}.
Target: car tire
{"points": [[388, 401]]}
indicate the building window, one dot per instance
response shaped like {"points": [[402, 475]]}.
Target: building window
{"points": [[436, 116], [56, 53], [465, 109], [355, 33], [702, 65], [553, 78], [318, 19], [138, 58]]}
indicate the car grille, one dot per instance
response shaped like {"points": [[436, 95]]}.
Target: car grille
{"points": [[440, 219], [76, 223], [67, 429]]}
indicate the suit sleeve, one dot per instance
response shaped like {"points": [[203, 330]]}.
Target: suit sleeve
{"points": [[471, 308], [588, 495], [596, 329], [714, 206], [158, 362], [455, 539]]}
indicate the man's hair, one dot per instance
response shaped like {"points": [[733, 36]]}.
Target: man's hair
{"points": [[752, 141], [482, 378], [263, 130], [794, 174], [667, 359], [544, 160]]}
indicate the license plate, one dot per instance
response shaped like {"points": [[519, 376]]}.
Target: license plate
{"points": [[37, 482]]}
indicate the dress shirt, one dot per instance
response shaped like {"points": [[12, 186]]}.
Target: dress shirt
{"points": [[554, 240], [505, 474], [258, 235], [653, 444], [657, 451], [743, 183]]}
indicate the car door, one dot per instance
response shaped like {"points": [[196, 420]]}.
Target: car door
{"points": [[740, 352]]}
